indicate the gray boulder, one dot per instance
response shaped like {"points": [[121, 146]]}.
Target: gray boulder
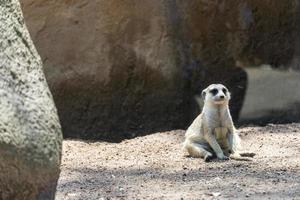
{"points": [[30, 132]]}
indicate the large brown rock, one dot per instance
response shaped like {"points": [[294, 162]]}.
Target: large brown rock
{"points": [[110, 64], [30, 133], [118, 68]]}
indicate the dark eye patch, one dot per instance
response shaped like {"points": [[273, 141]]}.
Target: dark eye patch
{"points": [[214, 92], [224, 90]]}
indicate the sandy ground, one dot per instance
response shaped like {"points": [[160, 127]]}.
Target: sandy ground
{"points": [[155, 167]]}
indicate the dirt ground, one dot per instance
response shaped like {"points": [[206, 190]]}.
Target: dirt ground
{"points": [[155, 167]]}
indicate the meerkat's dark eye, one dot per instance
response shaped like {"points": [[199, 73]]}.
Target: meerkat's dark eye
{"points": [[214, 92], [224, 90]]}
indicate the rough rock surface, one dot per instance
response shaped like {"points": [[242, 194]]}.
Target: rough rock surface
{"points": [[121, 68], [30, 139], [111, 66]]}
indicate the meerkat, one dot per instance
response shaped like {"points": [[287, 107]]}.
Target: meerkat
{"points": [[213, 133]]}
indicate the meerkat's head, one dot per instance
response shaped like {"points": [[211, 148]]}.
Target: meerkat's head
{"points": [[216, 94]]}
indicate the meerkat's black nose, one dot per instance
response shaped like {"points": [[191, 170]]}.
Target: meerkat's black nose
{"points": [[222, 96]]}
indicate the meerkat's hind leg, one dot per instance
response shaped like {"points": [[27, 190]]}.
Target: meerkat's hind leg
{"points": [[234, 142], [198, 151]]}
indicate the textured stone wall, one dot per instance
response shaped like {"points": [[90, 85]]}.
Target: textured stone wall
{"points": [[30, 133]]}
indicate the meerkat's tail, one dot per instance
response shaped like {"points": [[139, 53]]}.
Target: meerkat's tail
{"points": [[239, 157]]}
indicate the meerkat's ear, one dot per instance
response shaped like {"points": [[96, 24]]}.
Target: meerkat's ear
{"points": [[203, 94], [229, 95]]}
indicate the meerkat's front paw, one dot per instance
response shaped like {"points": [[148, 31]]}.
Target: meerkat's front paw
{"points": [[222, 157], [227, 153], [208, 157]]}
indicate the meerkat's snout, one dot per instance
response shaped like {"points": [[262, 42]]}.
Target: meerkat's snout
{"points": [[216, 93]]}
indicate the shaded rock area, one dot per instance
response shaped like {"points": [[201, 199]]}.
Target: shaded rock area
{"points": [[271, 97], [30, 133], [118, 69]]}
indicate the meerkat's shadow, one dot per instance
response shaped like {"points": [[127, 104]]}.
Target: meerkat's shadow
{"points": [[244, 156]]}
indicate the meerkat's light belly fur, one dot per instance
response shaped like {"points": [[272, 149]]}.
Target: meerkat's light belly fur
{"points": [[221, 134]]}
